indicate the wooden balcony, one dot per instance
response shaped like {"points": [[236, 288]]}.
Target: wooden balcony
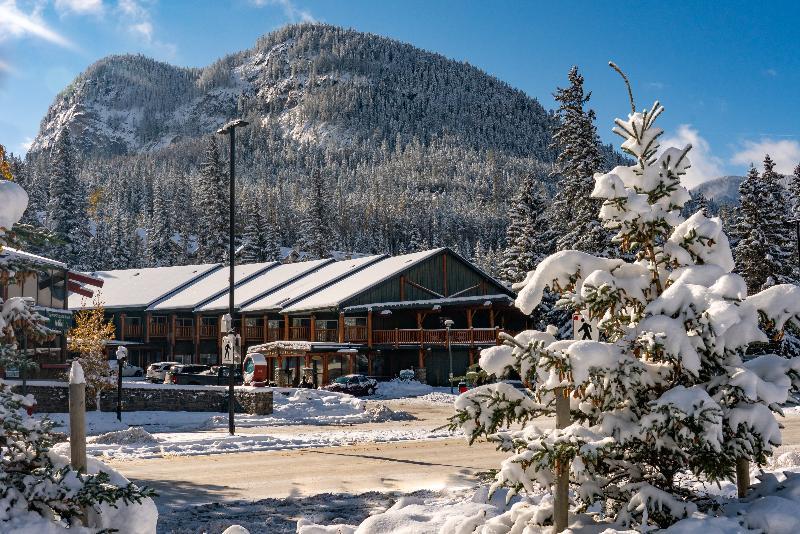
{"points": [[158, 329], [208, 331], [184, 332], [299, 333], [437, 337], [274, 334], [355, 334], [133, 330], [254, 332], [329, 335]]}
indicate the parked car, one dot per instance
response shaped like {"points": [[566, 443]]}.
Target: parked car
{"points": [[127, 369], [215, 376], [156, 371], [190, 368], [356, 385]]}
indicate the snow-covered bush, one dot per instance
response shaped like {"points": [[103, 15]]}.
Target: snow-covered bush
{"points": [[668, 393]]}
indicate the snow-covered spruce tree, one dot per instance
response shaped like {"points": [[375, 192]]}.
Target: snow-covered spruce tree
{"points": [[528, 234], [259, 239], [778, 233], [66, 210], [315, 229], [752, 248], [574, 212], [212, 239], [161, 249], [668, 393]]}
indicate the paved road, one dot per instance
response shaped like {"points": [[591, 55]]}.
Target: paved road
{"points": [[405, 466]]}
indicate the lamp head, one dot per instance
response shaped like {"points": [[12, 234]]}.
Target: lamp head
{"points": [[449, 323], [228, 126], [122, 353]]}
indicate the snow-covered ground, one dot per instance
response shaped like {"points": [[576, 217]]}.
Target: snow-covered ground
{"points": [[138, 443]]}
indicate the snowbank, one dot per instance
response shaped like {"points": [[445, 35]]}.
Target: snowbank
{"points": [[771, 506]]}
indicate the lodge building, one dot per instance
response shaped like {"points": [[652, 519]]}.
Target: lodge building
{"points": [[374, 315], [46, 283]]}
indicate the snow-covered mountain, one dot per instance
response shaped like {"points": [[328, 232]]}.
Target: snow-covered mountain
{"points": [[319, 83], [723, 190]]}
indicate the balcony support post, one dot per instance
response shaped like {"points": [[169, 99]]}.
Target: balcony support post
{"points": [[341, 327], [312, 331]]}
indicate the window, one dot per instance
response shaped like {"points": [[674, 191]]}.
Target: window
{"points": [[45, 296], [58, 290], [301, 321], [184, 321], [355, 321], [274, 323], [252, 321]]}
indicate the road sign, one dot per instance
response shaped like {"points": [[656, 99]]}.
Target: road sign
{"points": [[584, 328], [232, 349]]}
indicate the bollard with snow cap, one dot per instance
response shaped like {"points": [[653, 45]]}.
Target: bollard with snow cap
{"points": [[77, 417]]}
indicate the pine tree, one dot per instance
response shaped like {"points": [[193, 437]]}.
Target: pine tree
{"points": [[255, 238], [66, 211], [751, 246], [212, 240], [777, 231], [528, 235], [184, 220], [314, 240], [663, 397], [161, 249], [574, 212]]}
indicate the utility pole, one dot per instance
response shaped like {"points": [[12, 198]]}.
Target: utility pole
{"points": [[230, 128]]}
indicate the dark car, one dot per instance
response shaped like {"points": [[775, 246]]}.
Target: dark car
{"points": [[356, 385], [188, 368], [216, 376]]}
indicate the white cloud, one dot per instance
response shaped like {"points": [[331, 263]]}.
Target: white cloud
{"points": [[784, 152], [5, 68], [80, 7], [705, 165], [135, 16], [292, 12], [15, 23]]}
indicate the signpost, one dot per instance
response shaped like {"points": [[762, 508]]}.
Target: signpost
{"points": [[583, 328], [232, 349]]}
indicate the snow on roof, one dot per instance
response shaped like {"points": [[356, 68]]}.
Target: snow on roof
{"points": [[483, 300], [302, 287], [267, 281], [335, 294], [138, 288], [209, 287], [12, 254]]}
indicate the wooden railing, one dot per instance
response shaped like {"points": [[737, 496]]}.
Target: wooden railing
{"points": [[184, 332], [415, 336], [133, 330], [326, 334], [254, 332], [274, 334], [355, 334], [158, 329], [299, 333], [208, 330]]}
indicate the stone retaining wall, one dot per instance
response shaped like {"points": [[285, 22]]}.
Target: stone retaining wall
{"points": [[54, 398]]}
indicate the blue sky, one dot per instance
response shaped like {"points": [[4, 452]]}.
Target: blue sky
{"points": [[728, 72]]}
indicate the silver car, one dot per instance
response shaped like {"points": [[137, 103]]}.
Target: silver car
{"points": [[157, 371]]}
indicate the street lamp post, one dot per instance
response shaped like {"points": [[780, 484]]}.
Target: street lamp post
{"points": [[448, 324], [122, 355], [230, 128]]}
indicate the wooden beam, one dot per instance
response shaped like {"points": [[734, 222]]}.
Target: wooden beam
{"points": [[286, 327], [470, 313], [122, 326], [369, 328], [402, 287], [265, 334], [148, 317], [198, 321], [84, 279], [369, 363], [341, 327], [459, 293], [172, 320], [325, 375], [423, 288], [352, 358], [312, 331], [421, 356], [444, 272]]}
